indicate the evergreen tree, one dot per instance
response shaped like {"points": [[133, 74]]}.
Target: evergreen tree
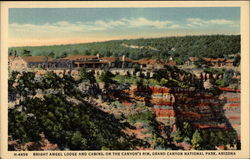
{"points": [[177, 136], [197, 141]]}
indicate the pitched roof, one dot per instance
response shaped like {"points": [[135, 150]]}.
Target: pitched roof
{"points": [[79, 57], [221, 59], [218, 59], [36, 58], [126, 59], [86, 62], [207, 59], [214, 60], [109, 59], [171, 62], [113, 59], [193, 59], [149, 61], [142, 61], [229, 61]]}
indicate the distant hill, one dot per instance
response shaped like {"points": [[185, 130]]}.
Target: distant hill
{"points": [[179, 48]]}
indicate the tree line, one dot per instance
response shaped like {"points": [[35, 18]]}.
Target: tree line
{"points": [[179, 48]]}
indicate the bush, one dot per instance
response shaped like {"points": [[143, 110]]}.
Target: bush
{"points": [[197, 141], [221, 83], [141, 116], [177, 136], [116, 104], [215, 91]]}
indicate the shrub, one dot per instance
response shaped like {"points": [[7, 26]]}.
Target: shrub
{"points": [[141, 116]]}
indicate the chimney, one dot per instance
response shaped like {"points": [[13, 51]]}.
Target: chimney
{"points": [[98, 55], [123, 61], [123, 58]]}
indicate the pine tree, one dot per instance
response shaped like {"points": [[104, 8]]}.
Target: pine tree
{"points": [[197, 141]]}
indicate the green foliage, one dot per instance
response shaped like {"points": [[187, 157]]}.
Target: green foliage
{"points": [[168, 77], [126, 79], [78, 141], [184, 133], [64, 54], [106, 77], [12, 91], [72, 124], [134, 80], [151, 82], [51, 54], [141, 116], [228, 76], [11, 52], [214, 70], [163, 82], [158, 142], [204, 139], [213, 138], [116, 104], [237, 60], [221, 83], [200, 63], [147, 117], [212, 46], [26, 53], [26, 84], [179, 60], [139, 83], [187, 130], [87, 76], [197, 141], [215, 91], [177, 136]]}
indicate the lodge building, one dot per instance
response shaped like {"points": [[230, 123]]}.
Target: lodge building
{"points": [[21, 63], [70, 62]]}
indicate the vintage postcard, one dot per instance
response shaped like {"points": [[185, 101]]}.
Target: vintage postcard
{"points": [[124, 79]]}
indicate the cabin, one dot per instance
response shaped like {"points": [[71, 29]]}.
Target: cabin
{"points": [[219, 62], [190, 61], [171, 62], [150, 64], [229, 63]]}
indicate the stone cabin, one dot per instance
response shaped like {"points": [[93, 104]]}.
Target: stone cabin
{"points": [[21, 63], [190, 61]]}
